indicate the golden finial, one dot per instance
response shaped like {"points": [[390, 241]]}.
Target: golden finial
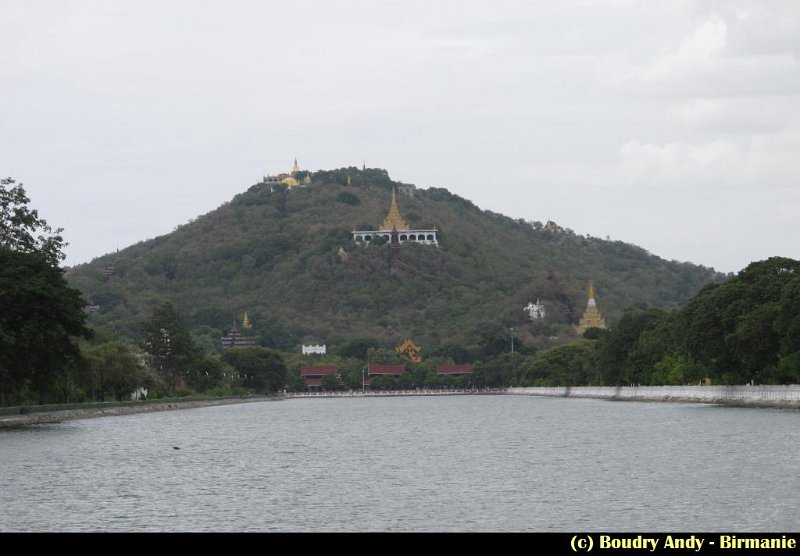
{"points": [[591, 289], [393, 220], [246, 322], [296, 167]]}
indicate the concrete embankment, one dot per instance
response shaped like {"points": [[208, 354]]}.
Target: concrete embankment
{"points": [[750, 396], [41, 414]]}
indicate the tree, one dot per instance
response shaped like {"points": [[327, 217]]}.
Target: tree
{"points": [[112, 367], [331, 383], [262, 369], [40, 317], [22, 230], [208, 372], [169, 345]]}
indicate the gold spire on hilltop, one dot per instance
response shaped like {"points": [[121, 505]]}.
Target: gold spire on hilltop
{"points": [[296, 167], [591, 290], [393, 220], [246, 322]]}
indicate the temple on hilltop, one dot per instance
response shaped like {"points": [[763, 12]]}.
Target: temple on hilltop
{"points": [[591, 316], [396, 230], [292, 179]]}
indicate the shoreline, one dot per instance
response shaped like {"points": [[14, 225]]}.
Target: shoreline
{"points": [[762, 396], [71, 414]]}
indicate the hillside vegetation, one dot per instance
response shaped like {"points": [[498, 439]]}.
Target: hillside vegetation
{"points": [[275, 251]]}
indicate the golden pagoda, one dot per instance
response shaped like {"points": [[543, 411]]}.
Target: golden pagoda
{"points": [[246, 322], [591, 316], [409, 350], [296, 167], [393, 220]]}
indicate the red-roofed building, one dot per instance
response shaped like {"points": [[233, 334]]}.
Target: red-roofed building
{"points": [[390, 370], [313, 374], [454, 370]]}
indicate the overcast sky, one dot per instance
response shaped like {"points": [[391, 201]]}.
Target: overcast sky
{"points": [[671, 124]]}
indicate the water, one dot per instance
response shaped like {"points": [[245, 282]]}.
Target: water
{"points": [[459, 463]]}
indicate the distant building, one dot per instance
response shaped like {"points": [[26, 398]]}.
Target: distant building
{"points": [[292, 179], [406, 189], [315, 350], [383, 370], [536, 311], [396, 230], [313, 374], [409, 350], [591, 316], [235, 338], [454, 370]]}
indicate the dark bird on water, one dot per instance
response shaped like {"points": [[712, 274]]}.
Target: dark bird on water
{"points": [[175, 448]]}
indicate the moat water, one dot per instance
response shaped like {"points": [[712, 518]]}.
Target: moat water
{"points": [[457, 463]]}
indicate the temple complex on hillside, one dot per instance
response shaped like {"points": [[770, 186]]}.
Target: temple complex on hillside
{"points": [[591, 316], [235, 338], [292, 179], [396, 230]]}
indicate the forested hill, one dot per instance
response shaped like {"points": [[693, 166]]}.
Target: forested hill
{"points": [[278, 252]]}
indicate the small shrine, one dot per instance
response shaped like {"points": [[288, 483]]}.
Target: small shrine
{"points": [[536, 311], [591, 316], [411, 351]]}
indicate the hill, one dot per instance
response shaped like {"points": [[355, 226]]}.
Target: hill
{"points": [[286, 254]]}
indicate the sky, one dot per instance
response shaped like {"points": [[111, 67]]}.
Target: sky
{"points": [[671, 124]]}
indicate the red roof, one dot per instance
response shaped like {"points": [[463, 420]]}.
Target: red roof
{"points": [[319, 370], [454, 369], [313, 381], [386, 369]]}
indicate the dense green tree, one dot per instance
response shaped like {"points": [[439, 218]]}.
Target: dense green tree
{"points": [[112, 367], [331, 383], [40, 315], [568, 365], [40, 318], [208, 372], [21, 228], [384, 382], [358, 348], [167, 341], [614, 348], [262, 369]]}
